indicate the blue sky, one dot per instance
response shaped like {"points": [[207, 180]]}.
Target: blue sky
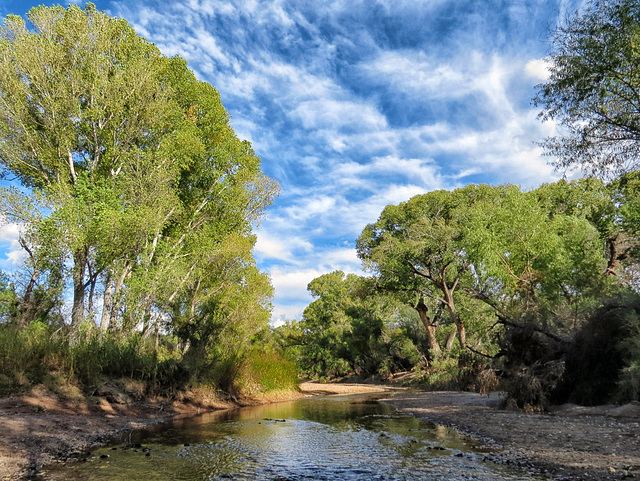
{"points": [[356, 104]]}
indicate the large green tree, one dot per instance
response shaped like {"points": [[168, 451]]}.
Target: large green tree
{"points": [[142, 183], [511, 250], [351, 328], [417, 250], [529, 258], [82, 98]]}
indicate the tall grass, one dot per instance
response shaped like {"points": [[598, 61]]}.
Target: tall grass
{"points": [[87, 358], [39, 353], [266, 371]]}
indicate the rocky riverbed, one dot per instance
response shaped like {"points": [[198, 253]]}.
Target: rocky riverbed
{"points": [[569, 443]]}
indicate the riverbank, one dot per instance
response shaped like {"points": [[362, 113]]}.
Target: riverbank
{"points": [[569, 444], [41, 428], [572, 443]]}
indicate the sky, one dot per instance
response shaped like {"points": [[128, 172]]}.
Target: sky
{"points": [[353, 105]]}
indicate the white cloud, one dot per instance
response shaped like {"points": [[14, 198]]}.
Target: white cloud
{"points": [[414, 72], [337, 115], [207, 42], [537, 69], [282, 313], [212, 7], [291, 285], [14, 254], [312, 206], [283, 249]]}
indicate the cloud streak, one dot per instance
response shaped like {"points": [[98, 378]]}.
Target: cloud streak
{"points": [[354, 105]]}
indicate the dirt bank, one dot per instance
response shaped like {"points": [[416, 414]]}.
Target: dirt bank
{"points": [[571, 443], [41, 428]]}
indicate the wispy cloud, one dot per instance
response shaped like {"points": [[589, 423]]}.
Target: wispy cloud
{"points": [[354, 105]]}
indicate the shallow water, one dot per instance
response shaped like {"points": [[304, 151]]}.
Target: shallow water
{"points": [[337, 438]]}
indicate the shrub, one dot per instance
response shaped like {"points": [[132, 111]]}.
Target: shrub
{"points": [[602, 363], [532, 365]]}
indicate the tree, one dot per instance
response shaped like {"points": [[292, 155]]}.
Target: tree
{"points": [[82, 98], [351, 328], [145, 187], [593, 90], [415, 248], [531, 255], [327, 327], [498, 245]]}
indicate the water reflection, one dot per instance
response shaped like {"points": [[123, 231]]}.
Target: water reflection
{"points": [[350, 438]]}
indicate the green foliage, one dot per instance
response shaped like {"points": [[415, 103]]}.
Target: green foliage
{"points": [[8, 299], [351, 329], [27, 354], [142, 185], [592, 91]]}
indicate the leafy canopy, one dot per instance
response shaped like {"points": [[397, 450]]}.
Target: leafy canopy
{"points": [[593, 91]]}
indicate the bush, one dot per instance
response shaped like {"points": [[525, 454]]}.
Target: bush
{"points": [[602, 363], [629, 383], [628, 388], [28, 354], [440, 375], [475, 374], [532, 365]]}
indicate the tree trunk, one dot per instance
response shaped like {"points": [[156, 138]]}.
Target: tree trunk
{"points": [[93, 280], [26, 308], [455, 316], [115, 308], [450, 339], [79, 268], [422, 312], [619, 249], [107, 304]]}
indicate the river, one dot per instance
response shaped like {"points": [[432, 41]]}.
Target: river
{"points": [[333, 438]]}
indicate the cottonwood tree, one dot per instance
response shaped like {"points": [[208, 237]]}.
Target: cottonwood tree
{"points": [[593, 91], [529, 258], [351, 328], [82, 97], [146, 186], [414, 248], [497, 245]]}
